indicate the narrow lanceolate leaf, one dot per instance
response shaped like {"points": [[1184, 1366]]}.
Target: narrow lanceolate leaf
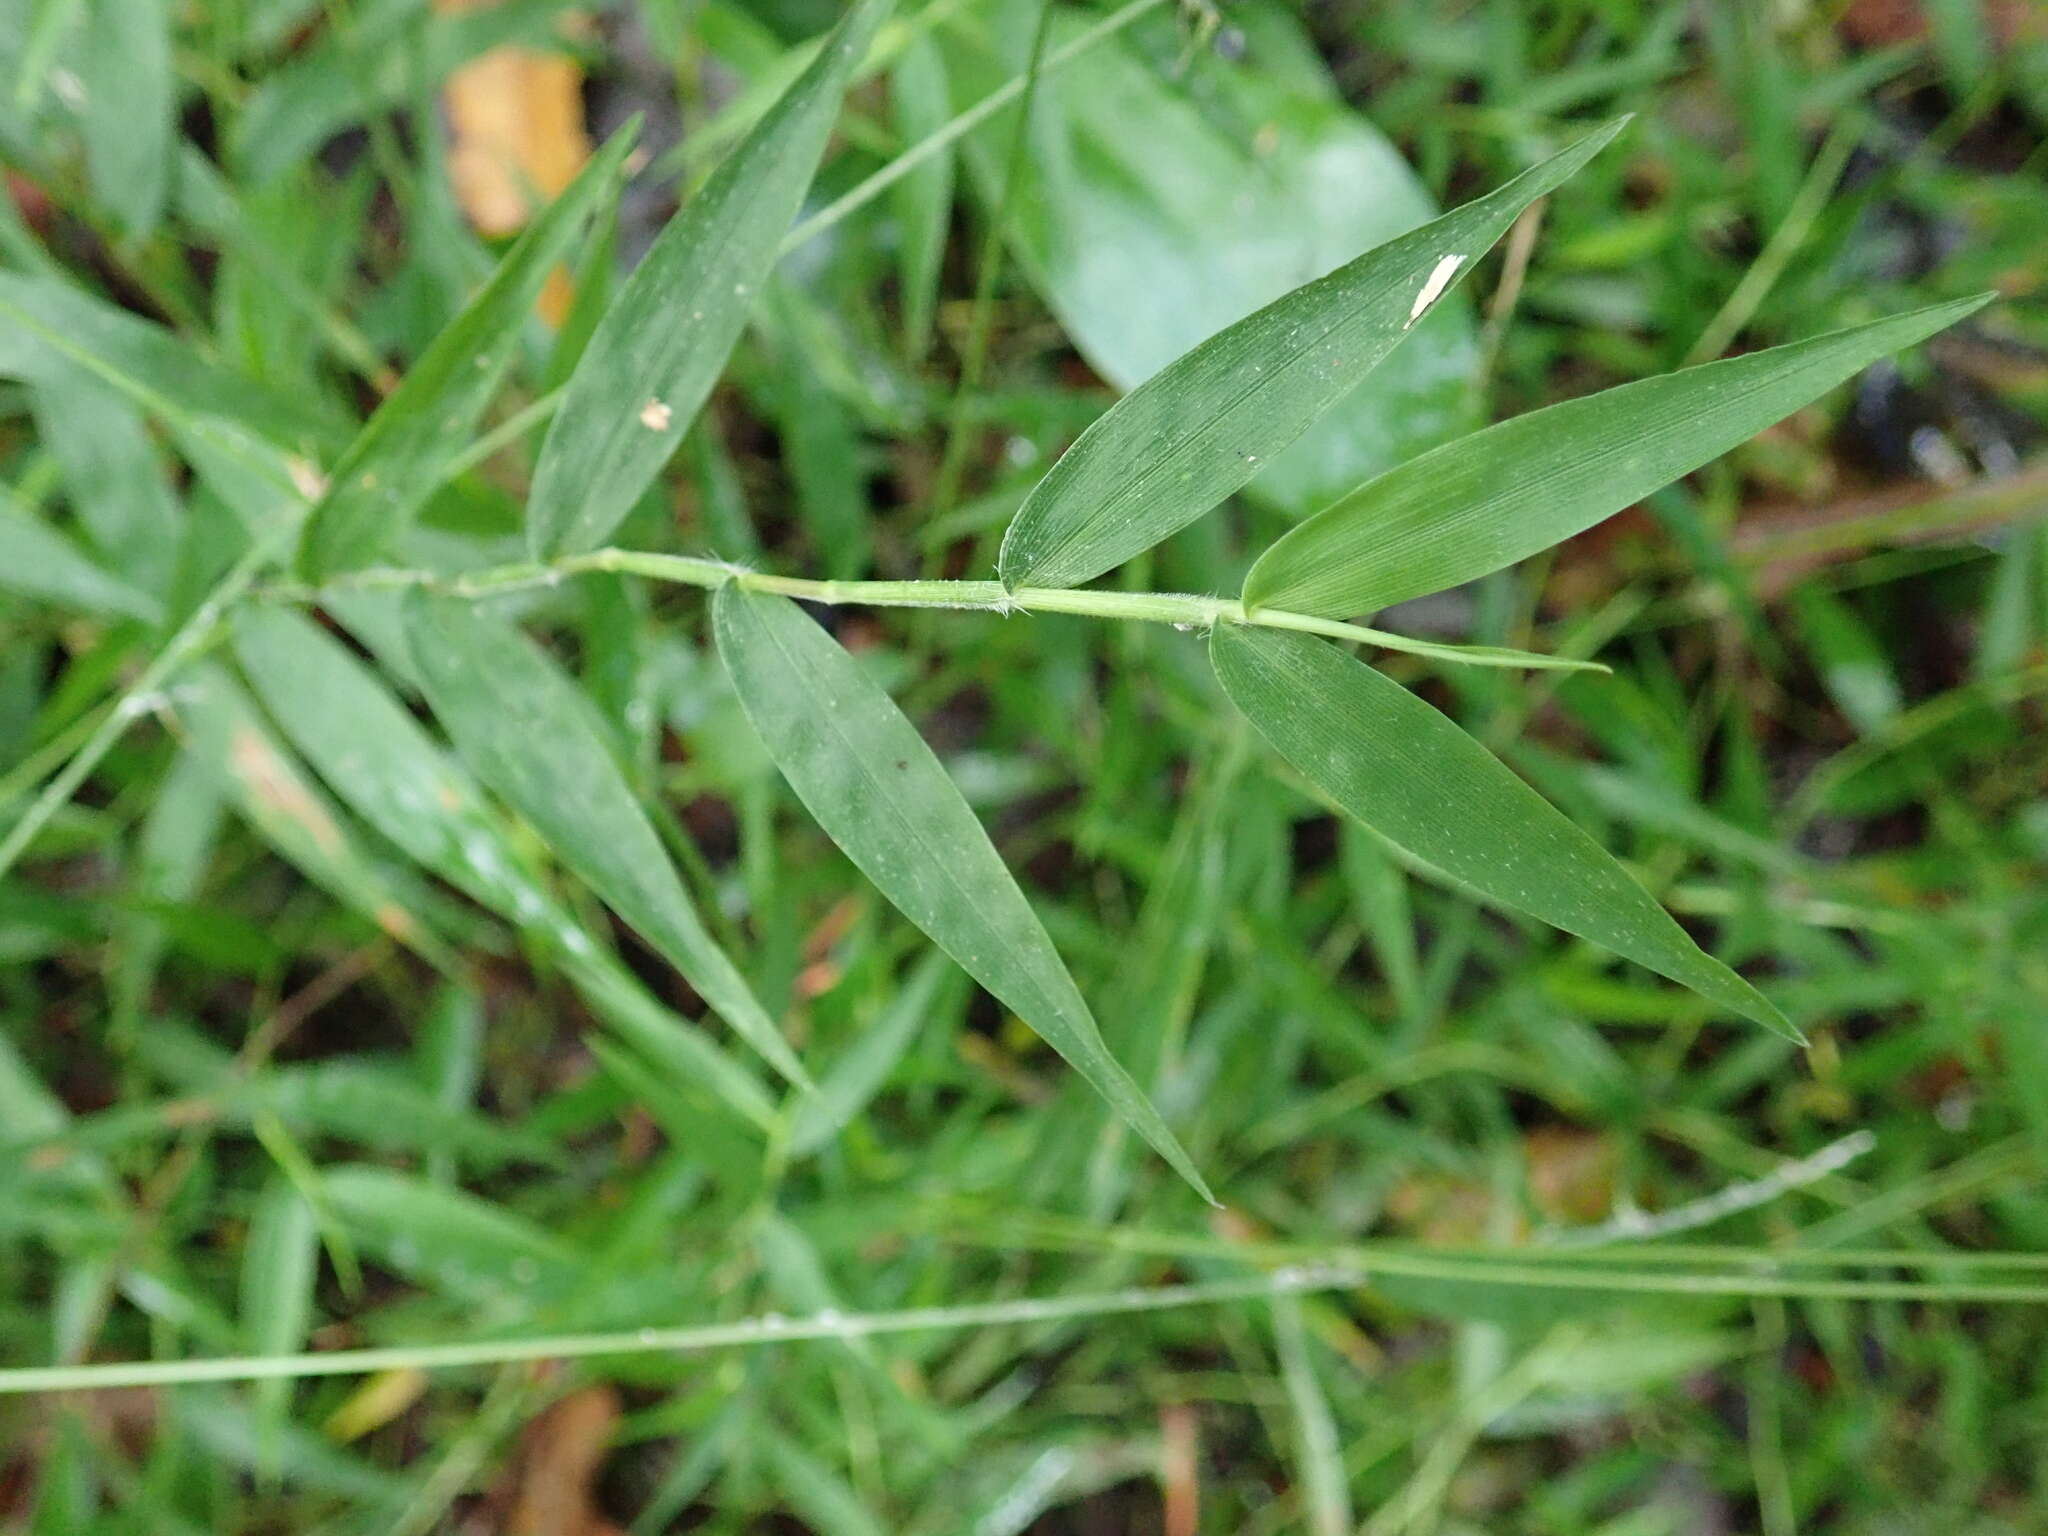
{"points": [[519, 721], [226, 735], [664, 341], [882, 795], [1401, 768], [1499, 495], [394, 464], [378, 758], [1201, 427], [381, 763]]}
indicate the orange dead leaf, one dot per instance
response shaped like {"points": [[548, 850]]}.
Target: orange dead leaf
{"points": [[380, 1399], [560, 1454], [1180, 1469], [516, 118]]}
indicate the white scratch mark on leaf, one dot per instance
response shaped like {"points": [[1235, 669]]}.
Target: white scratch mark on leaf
{"points": [[1433, 289]]}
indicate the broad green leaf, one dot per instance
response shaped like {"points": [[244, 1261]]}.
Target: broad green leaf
{"points": [[1166, 195], [883, 796], [377, 758], [531, 736], [392, 467], [1200, 428], [663, 343], [1490, 499], [38, 561], [1404, 770]]}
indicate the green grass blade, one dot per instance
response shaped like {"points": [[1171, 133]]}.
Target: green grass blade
{"points": [[531, 736], [392, 466], [859, 1075], [923, 199], [46, 323], [882, 795], [280, 1267], [1488, 500], [663, 343], [38, 561], [1397, 765], [1202, 426], [1324, 1494], [113, 474], [129, 120]]}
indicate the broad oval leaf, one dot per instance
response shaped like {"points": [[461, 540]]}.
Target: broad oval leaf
{"points": [[882, 795], [395, 462], [530, 735], [1493, 498], [1404, 770], [660, 347], [1201, 427]]}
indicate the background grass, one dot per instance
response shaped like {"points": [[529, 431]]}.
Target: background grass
{"points": [[243, 1110]]}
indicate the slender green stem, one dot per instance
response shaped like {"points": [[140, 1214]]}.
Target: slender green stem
{"points": [[1184, 610], [510, 430], [1354, 1269], [770, 1329]]}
